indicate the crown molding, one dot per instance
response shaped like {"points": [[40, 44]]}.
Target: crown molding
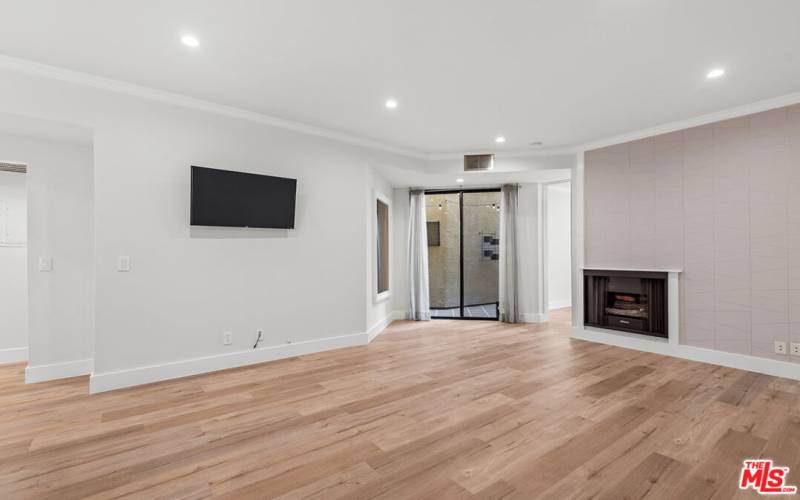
{"points": [[120, 87], [726, 114], [117, 86]]}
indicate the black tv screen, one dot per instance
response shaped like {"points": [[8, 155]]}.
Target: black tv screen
{"points": [[238, 199]]}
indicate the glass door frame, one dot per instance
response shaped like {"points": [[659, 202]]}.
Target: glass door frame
{"points": [[460, 193]]}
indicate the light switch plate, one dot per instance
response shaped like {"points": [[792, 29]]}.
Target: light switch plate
{"points": [[123, 263], [780, 347], [227, 338], [794, 349], [45, 264]]}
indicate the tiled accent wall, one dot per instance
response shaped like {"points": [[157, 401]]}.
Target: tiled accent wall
{"points": [[721, 202]]}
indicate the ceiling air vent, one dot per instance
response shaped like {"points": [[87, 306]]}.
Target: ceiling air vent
{"points": [[13, 167], [475, 163]]}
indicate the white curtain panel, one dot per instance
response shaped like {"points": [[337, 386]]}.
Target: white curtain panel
{"points": [[509, 259], [419, 302]]}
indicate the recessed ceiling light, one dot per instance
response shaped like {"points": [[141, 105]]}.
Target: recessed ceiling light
{"points": [[715, 73], [500, 139], [391, 103], [536, 144], [190, 40], [460, 181]]}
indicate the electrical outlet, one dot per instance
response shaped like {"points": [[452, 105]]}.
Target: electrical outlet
{"points": [[227, 338], [123, 264], [45, 264], [794, 349], [780, 347]]}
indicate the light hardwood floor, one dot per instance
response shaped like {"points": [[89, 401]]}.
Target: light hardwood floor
{"points": [[444, 409]]}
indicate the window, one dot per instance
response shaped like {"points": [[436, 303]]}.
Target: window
{"points": [[382, 247], [433, 234]]}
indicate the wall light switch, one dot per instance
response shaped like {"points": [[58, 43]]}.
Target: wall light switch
{"points": [[45, 264], [123, 263], [794, 349], [227, 338], [780, 347]]}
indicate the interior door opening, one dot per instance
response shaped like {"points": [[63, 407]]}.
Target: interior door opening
{"points": [[463, 253]]}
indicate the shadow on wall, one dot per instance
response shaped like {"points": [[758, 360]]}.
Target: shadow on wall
{"points": [[222, 233]]}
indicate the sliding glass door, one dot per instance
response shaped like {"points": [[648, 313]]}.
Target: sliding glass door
{"points": [[463, 250]]}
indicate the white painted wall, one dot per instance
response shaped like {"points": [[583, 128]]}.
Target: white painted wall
{"points": [[400, 213], [13, 266], [559, 265], [60, 225], [530, 256], [188, 285]]}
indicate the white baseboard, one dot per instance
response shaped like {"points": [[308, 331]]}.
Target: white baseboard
{"points": [[399, 315], [747, 362], [13, 355], [379, 327], [43, 373], [560, 304], [534, 317], [108, 381]]}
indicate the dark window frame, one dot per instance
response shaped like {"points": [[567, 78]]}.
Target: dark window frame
{"points": [[460, 193]]}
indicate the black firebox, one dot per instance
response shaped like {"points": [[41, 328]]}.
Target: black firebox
{"points": [[630, 301]]}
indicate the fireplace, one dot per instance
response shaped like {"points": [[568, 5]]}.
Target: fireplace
{"points": [[630, 301]]}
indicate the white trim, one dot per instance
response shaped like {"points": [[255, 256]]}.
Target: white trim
{"points": [[664, 128], [43, 373], [541, 251], [732, 360], [727, 114], [399, 315], [101, 382], [534, 317], [673, 307], [666, 270], [559, 304], [108, 84], [380, 197], [576, 239], [77, 77], [13, 355], [379, 327]]}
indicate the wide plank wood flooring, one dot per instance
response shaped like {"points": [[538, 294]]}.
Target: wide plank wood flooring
{"points": [[442, 409]]}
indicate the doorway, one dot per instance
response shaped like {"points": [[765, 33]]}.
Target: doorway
{"points": [[557, 204], [13, 262], [463, 253]]}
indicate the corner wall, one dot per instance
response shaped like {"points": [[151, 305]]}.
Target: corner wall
{"points": [[165, 318], [59, 305], [13, 265]]}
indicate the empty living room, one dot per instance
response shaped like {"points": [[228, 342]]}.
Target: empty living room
{"points": [[399, 249]]}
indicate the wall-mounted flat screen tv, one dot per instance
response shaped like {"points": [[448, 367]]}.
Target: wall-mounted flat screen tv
{"points": [[239, 199]]}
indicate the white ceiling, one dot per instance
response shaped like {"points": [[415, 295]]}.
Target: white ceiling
{"points": [[463, 71]]}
